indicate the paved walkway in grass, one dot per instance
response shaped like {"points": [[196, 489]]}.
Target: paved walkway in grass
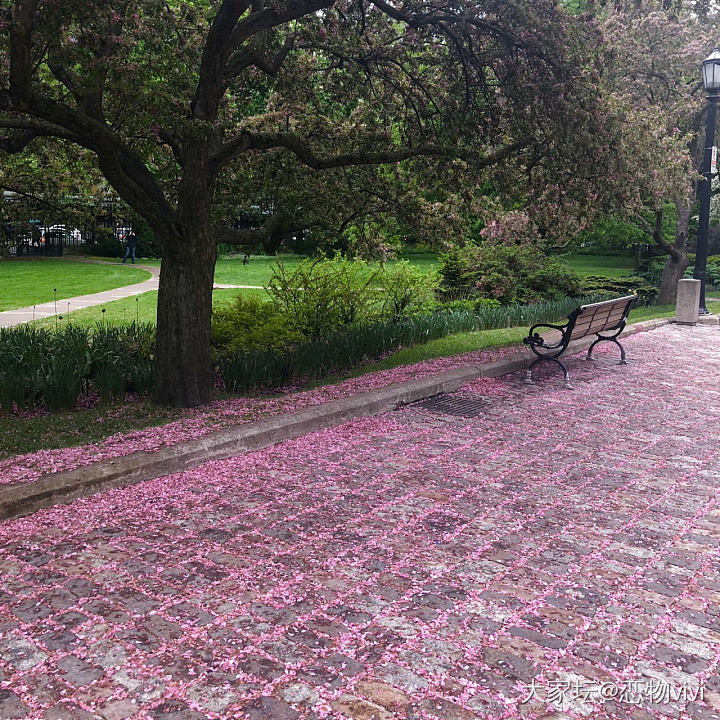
{"points": [[553, 556], [10, 318]]}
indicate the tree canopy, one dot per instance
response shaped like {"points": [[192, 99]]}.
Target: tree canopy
{"points": [[189, 106]]}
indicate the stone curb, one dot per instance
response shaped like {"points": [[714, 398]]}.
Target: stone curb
{"points": [[63, 487]]}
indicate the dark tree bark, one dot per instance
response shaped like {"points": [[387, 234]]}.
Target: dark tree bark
{"points": [[677, 261], [182, 356]]}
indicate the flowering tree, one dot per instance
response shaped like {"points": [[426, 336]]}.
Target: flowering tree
{"points": [[652, 60], [179, 101]]}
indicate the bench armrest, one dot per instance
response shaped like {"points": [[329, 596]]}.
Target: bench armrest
{"points": [[534, 338]]}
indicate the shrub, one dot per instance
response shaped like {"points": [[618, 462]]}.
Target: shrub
{"points": [[406, 290], [599, 284], [250, 324], [508, 273], [147, 245], [712, 267], [321, 295], [652, 270], [349, 347], [105, 245]]}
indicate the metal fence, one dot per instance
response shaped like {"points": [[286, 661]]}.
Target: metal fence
{"points": [[22, 238]]}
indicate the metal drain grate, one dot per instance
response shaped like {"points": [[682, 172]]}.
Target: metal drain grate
{"points": [[468, 406]]}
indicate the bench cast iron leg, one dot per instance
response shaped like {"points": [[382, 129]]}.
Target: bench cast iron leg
{"points": [[623, 361], [566, 375]]}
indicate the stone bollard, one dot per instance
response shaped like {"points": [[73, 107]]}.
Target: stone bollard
{"points": [[688, 302]]}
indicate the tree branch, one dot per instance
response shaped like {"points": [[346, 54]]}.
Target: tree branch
{"points": [[21, 27], [172, 142], [272, 17], [247, 57], [270, 234], [217, 50], [32, 128], [655, 232], [35, 198], [266, 141], [17, 141], [438, 16]]}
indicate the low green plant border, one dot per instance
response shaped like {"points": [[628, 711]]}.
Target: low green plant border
{"points": [[69, 429]]}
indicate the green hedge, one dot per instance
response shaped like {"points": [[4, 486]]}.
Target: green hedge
{"points": [[319, 357]]}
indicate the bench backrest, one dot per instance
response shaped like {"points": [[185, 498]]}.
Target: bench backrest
{"points": [[599, 317]]}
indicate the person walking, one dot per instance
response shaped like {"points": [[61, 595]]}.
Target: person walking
{"points": [[131, 240]]}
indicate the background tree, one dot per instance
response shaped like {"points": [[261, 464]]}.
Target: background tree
{"points": [[651, 62], [172, 98]]}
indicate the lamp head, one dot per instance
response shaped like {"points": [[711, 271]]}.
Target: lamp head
{"points": [[711, 73]]}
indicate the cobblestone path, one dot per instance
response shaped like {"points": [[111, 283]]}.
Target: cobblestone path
{"points": [[555, 556]]}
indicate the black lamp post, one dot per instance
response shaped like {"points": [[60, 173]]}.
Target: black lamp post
{"points": [[711, 78]]}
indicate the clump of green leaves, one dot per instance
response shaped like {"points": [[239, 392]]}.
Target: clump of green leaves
{"points": [[712, 268], [407, 290], [507, 273], [250, 324], [323, 294]]}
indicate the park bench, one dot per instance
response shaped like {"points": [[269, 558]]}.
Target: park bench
{"points": [[608, 316]]}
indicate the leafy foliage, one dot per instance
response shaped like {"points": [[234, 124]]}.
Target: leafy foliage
{"points": [[251, 324], [57, 366], [599, 285], [610, 236], [105, 245], [321, 295], [712, 269], [507, 273], [367, 120], [344, 349], [407, 290]]}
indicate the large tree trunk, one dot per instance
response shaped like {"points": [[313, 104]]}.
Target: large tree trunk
{"points": [[677, 261], [182, 359], [673, 272]]}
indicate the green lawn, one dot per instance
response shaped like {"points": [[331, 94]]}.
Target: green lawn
{"points": [[257, 270], [230, 271], [31, 282], [482, 340], [67, 429], [608, 265], [140, 307], [234, 271]]}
